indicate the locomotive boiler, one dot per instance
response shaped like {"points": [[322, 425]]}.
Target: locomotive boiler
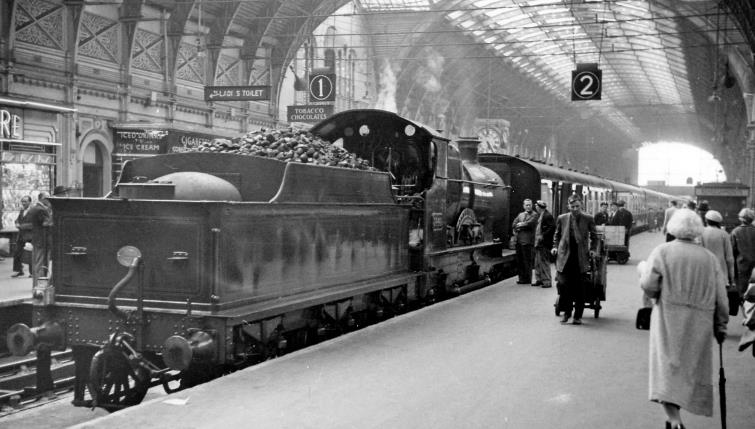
{"points": [[197, 264]]}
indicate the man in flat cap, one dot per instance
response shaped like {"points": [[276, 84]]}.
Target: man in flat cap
{"points": [[624, 218], [546, 226]]}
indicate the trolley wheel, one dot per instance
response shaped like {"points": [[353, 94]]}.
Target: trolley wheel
{"points": [[113, 383], [622, 258], [555, 305]]}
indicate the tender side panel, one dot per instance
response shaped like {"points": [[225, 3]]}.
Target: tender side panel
{"points": [[89, 233], [273, 251]]}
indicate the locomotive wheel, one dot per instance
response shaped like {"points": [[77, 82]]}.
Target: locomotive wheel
{"points": [[113, 384]]}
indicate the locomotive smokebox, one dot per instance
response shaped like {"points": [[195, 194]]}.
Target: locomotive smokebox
{"points": [[21, 339], [179, 352]]}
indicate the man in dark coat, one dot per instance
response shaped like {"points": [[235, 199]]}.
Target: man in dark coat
{"points": [[39, 217], [601, 218], [524, 228], [623, 217], [24, 236], [574, 242], [546, 226], [743, 247]]}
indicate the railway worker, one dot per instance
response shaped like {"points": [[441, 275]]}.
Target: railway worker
{"points": [[601, 218], [623, 217], [672, 207], [524, 227], [24, 236], [39, 217], [743, 248], [546, 226], [691, 310], [574, 242]]}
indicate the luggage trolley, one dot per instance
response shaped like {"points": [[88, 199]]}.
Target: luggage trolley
{"points": [[595, 289], [614, 240]]}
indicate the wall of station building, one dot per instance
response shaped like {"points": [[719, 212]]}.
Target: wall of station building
{"points": [[81, 116]]}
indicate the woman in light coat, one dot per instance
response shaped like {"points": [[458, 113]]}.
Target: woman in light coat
{"points": [[690, 308]]}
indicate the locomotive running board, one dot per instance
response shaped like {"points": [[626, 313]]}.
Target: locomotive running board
{"points": [[281, 305]]}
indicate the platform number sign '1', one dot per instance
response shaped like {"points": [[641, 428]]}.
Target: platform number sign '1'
{"points": [[586, 82], [322, 87]]}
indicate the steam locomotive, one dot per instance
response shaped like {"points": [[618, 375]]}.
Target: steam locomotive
{"points": [[198, 264]]}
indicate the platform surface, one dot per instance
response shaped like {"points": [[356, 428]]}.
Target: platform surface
{"points": [[494, 358]]}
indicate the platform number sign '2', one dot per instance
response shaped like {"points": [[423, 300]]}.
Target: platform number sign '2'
{"points": [[586, 82], [322, 87]]}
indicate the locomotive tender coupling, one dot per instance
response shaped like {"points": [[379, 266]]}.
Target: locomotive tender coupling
{"points": [[197, 264]]}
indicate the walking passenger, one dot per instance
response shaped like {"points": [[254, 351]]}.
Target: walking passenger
{"points": [[574, 242], [717, 240], [524, 227], [672, 207], [743, 248], [691, 309], [543, 242], [623, 217]]}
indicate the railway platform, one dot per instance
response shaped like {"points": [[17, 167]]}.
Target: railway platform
{"points": [[494, 358]]}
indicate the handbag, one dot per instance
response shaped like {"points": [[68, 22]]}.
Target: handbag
{"points": [[643, 318]]}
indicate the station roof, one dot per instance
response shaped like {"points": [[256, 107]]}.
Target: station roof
{"points": [[673, 70]]}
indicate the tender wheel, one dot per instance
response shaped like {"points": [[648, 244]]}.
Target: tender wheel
{"points": [[113, 384], [622, 258]]}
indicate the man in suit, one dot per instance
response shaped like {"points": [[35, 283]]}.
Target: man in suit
{"points": [[623, 217], [524, 228], [601, 218], [24, 236], [546, 226], [574, 243]]}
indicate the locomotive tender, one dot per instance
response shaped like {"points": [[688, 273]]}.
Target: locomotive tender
{"points": [[200, 263], [197, 264]]}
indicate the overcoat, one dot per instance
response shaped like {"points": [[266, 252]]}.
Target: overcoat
{"points": [[717, 241], [587, 239], [546, 226], [525, 234], [743, 247], [691, 303]]}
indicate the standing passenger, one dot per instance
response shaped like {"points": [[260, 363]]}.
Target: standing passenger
{"points": [[690, 310], [24, 236], [601, 218], [543, 242], [39, 217], [743, 247], [575, 241], [667, 215], [524, 227]]}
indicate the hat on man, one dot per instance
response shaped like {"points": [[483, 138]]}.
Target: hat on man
{"points": [[614, 203], [621, 203], [747, 214], [541, 204], [604, 204], [714, 216]]}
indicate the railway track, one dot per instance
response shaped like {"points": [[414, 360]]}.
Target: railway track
{"points": [[19, 381]]}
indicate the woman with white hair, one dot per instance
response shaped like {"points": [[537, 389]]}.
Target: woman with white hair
{"points": [[743, 247], [691, 309]]}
